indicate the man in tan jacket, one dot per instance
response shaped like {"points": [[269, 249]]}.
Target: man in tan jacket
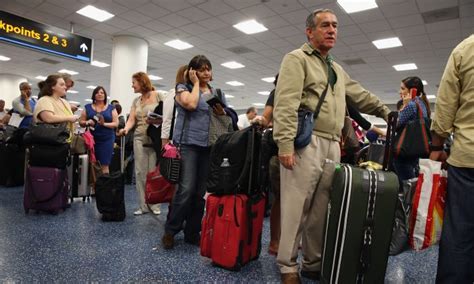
{"points": [[305, 174], [454, 114]]}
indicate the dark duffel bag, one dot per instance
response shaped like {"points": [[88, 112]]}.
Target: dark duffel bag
{"points": [[234, 163], [50, 156], [45, 133], [109, 195]]}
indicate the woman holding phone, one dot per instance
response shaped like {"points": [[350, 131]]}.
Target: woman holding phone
{"points": [[412, 94], [192, 133]]}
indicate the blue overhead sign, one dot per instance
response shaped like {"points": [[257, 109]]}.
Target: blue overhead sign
{"points": [[27, 33]]}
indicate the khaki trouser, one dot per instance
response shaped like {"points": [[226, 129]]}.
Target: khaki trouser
{"points": [[145, 161], [304, 200]]}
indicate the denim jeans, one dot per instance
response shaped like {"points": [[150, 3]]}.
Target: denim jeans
{"points": [[456, 248], [188, 203]]}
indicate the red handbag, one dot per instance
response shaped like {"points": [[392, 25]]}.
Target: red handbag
{"points": [[158, 189]]}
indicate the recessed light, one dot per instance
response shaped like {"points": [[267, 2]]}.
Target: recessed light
{"points": [[41, 77], [4, 58], [387, 43], [232, 65], [95, 13], [35, 97], [268, 79], [229, 96], [154, 78], [74, 102], [250, 27], [88, 100], [353, 6], [99, 64], [70, 72], [424, 82], [258, 104], [231, 106], [234, 83], [72, 92], [431, 97], [91, 87], [264, 93], [178, 44], [405, 67]]}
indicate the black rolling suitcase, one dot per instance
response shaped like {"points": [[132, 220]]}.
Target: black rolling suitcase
{"points": [[109, 193], [234, 163], [359, 224], [14, 159]]}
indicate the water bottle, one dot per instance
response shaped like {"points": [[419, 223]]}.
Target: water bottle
{"points": [[226, 175]]}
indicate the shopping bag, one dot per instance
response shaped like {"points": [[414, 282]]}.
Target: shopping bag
{"points": [[158, 189], [426, 218]]}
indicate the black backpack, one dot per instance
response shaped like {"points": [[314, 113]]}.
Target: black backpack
{"points": [[241, 149]]}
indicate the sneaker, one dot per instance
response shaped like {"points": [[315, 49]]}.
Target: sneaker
{"points": [[157, 211], [139, 212], [167, 241]]}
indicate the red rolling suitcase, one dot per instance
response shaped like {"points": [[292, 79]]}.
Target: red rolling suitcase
{"points": [[46, 189], [236, 232], [207, 228]]}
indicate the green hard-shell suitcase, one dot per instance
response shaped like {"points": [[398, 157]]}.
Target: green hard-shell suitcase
{"points": [[359, 225]]}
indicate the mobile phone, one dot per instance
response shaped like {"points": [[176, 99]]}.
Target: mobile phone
{"points": [[413, 92], [153, 115], [213, 101]]}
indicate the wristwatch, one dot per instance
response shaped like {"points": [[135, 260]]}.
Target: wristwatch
{"points": [[436, 148]]}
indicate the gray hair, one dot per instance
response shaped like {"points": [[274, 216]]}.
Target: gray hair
{"points": [[310, 19]]}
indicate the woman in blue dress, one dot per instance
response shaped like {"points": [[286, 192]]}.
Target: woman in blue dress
{"points": [[102, 118]]}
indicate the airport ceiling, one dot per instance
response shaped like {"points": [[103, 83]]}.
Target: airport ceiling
{"points": [[428, 30]]}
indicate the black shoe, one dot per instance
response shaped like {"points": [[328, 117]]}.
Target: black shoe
{"points": [[313, 275], [195, 241]]}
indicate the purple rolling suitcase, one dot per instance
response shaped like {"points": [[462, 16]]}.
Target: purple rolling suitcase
{"points": [[46, 189]]}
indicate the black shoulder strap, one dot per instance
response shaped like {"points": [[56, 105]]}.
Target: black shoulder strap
{"points": [[172, 121], [219, 93]]}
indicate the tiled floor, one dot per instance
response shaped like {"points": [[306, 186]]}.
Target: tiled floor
{"points": [[75, 246]]}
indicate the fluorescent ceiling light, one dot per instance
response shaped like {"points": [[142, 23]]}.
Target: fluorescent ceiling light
{"points": [[4, 58], [91, 87], [74, 102], [250, 27], [258, 104], [95, 13], [431, 97], [268, 79], [88, 100], [231, 106], [70, 72], [264, 93], [178, 44], [234, 83], [41, 77], [229, 97], [99, 64], [72, 92], [387, 43], [405, 67], [353, 6], [232, 65], [34, 97], [424, 82], [154, 78]]}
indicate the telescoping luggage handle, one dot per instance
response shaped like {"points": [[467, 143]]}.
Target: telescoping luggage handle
{"points": [[391, 128], [122, 153]]}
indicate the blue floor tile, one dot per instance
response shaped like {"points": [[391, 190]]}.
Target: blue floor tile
{"points": [[75, 246]]}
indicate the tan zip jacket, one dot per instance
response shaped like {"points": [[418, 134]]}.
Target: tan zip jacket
{"points": [[303, 77]]}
